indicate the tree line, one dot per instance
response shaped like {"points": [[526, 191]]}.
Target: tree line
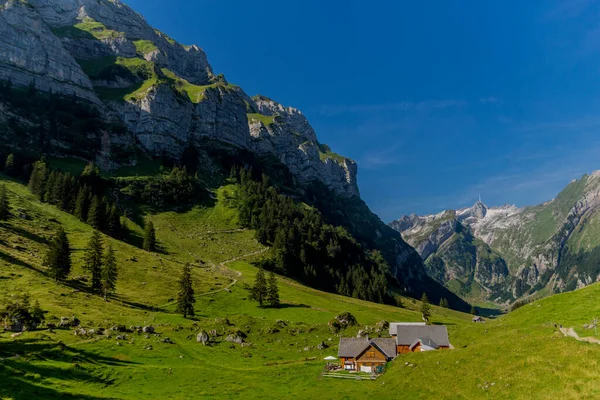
{"points": [[81, 196], [306, 248]]}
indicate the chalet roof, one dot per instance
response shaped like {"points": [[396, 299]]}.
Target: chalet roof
{"points": [[353, 347], [477, 318], [408, 334], [425, 341], [394, 325]]}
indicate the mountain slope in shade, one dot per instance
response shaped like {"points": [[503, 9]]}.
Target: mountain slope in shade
{"points": [[509, 252]]}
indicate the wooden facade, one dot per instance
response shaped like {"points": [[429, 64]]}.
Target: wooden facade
{"points": [[370, 357]]}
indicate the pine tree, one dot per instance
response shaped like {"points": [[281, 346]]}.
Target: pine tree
{"points": [[149, 237], [9, 165], [474, 310], [82, 203], [185, 297], [273, 291], [259, 290], [444, 303], [38, 178], [58, 257], [93, 260], [109, 272], [4, 204], [96, 213], [49, 187], [425, 307], [114, 222]]}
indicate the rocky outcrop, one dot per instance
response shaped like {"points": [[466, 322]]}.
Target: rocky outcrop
{"points": [[188, 62], [31, 55]]}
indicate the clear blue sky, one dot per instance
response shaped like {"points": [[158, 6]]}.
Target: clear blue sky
{"points": [[438, 101]]}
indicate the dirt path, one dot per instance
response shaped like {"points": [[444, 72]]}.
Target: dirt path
{"points": [[229, 272], [571, 333]]}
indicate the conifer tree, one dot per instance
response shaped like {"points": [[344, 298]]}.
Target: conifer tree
{"points": [[9, 165], [425, 307], [273, 291], [82, 203], [474, 310], [37, 180], [149, 237], [58, 257], [185, 297], [114, 222], [4, 204], [93, 259], [49, 187], [96, 214], [259, 291], [109, 272]]}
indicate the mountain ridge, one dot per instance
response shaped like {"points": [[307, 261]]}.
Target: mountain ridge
{"points": [[530, 240]]}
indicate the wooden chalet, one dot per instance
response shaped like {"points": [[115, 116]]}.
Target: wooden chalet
{"points": [[412, 337], [364, 354]]}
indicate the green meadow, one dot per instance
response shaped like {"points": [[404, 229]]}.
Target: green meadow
{"points": [[521, 355]]}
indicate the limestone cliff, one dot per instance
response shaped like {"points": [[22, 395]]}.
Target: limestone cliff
{"points": [[165, 93]]}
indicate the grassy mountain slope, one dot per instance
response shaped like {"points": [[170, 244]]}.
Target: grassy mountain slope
{"points": [[275, 365]]}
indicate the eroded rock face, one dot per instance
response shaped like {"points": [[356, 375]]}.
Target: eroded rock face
{"points": [[188, 62], [44, 38], [32, 55]]}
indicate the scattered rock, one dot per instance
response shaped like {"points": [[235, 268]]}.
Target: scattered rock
{"points": [[234, 339], [148, 329], [166, 340], [202, 337], [322, 346], [121, 337]]}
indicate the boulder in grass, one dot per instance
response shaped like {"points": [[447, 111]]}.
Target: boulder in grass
{"points": [[148, 329], [202, 337]]}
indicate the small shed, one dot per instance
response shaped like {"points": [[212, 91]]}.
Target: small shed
{"points": [[477, 318]]}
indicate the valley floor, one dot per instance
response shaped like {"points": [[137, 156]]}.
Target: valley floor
{"points": [[519, 355]]}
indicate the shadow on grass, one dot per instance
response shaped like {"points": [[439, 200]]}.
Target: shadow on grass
{"points": [[13, 260], [24, 233], [291, 305], [22, 377]]}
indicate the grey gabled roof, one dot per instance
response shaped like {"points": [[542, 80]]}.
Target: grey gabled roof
{"points": [[408, 334], [386, 345], [394, 325], [353, 347], [425, 342]]}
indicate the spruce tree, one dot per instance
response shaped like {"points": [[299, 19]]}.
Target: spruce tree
{"points": [[109, 272], [9, 165], [93, 259], [82, 203], [425, 307], [50, 183], [273, 291], [4, 204], [149, 237], [259, 290], [185, 297], [474, 310], [96, 213], [58, 257], [37, 180], [114, 222]]}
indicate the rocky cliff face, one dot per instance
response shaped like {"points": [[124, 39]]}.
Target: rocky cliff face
{"points": [[32, 55], [524, 249], [165, 93]]}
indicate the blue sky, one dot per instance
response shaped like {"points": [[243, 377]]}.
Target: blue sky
{"points": [[437, 101]]}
